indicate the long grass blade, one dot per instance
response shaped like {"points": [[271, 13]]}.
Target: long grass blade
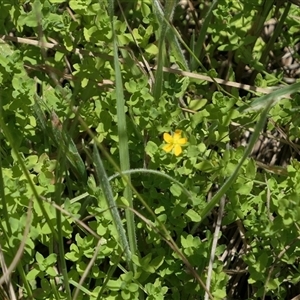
{"points": [[104, 182], [162, 17], [272, 98], [198, 48], [123, 138], [61, 139]]}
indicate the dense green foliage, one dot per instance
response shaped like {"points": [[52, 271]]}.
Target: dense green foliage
{"points": [[87, 91]]}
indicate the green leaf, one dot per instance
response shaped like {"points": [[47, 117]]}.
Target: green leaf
{"points": [[51, 272], [73, 255], [194, 216], [273, 284], [145, 10], [57, 1], [219, 294], [88, 32], [151, 49], [199, 117], [197, 104], [32, 274], [114, 285], [175, 190], [39, 258], [51, 259], [29, 19], [151, 148], [133, 287], [79, 5], [31, 161]]}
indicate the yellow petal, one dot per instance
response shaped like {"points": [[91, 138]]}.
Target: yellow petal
{"points": [[182, 141], [168, 139], [177, 135], [177, 150], [168, 147]]}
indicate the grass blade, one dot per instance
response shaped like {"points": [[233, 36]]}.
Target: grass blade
{"points": [[61, 139], [273, 97], [123, 138], [162, 17], [199, 43], [104, 182]]}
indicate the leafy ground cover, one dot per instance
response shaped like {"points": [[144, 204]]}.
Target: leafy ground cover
{"points": [[149, 150]]}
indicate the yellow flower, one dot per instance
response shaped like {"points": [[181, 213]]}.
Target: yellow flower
{"points": [[174, 142]]}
